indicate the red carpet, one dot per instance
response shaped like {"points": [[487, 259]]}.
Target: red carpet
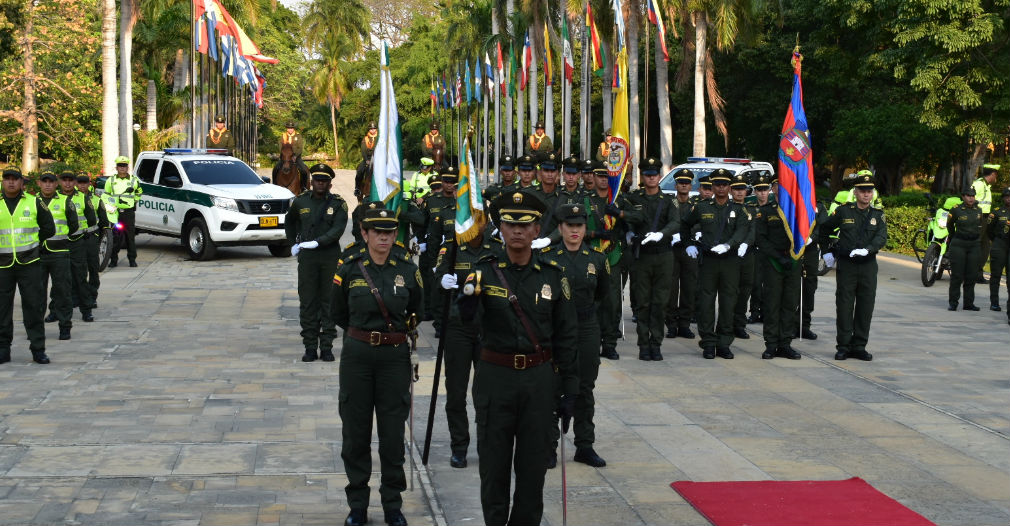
{"points": [[850, 502]]}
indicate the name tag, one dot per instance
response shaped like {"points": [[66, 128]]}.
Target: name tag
{"points": [[492, 290]]}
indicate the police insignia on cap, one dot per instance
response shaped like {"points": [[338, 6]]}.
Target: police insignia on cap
{"points": [[545, 292], [382, 213], [517, 197], [372, 206], [575, 209]]}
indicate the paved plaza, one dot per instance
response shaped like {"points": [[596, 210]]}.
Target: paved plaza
{"points": [[186, 403]]}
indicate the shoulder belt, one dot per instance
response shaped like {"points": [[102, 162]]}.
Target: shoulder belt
{"points": [[378, 297], [519, 310]]}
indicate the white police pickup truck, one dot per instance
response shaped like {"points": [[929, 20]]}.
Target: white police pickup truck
{"points": [[703, 166], [209, 199]]}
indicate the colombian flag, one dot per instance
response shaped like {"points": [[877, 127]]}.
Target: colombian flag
{"points": [[796, 197]]}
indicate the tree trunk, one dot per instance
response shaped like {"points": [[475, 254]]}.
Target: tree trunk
{"points": [[634, 101], [663, 107], [30, 152], [126, 20], [152, 105], [333, 123], [110, 106], [700, 46]]}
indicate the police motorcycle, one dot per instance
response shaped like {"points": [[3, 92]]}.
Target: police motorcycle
{"points": [[930, 243], [112, 238]]}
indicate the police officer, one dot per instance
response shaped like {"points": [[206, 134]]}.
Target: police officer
{"points": [[539, 144], [571, 191], [603, 150], [506, 167], [86, 216], [368, 143], [441, 227], [550, 194], [762, 196], [93, 236], [722, 228], [292, 137], [965, 227], [999, 255], [24, 224], [527, 174], [983, 196], [462, 339], [417, 187], [432, 142], [738, 191], [124, 191], [313, 225], [219, 136], [781, 277], [684, 284], [528, 322], [588, 275], [376, 293], [55, 254], [656, 220], [809, 265], [862, 232], [588, 180], [608, 235]]}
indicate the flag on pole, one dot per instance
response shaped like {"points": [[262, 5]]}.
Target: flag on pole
{"points": [[567, 53], [387, 170], [797, 200], [501, 70], [459, 88], [244, 45], [656, 19], [434, 97], [595, 46], [548, 69], [512, 71], [467, 80], [469, 203], [445, 93], [619, 22], [489, 76], [619, 129], [527, 57], [478, 85]]}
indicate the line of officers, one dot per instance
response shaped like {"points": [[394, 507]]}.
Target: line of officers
{"points": [[49, 241], [535, 301]]}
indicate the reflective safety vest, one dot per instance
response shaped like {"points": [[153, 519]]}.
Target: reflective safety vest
{"points": [[19, 232], [96, 203], [82, 220], [58, 206], [983, 195], [123, 192]]}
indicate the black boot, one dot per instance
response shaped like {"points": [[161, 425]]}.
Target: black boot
{"points": [[458, 460], [587, 456], [953, 306], [610, 353], [862, 355], [671, 331], [88, 317], [326, 355], [310, 355], [40, 357], [741, 333], [685, 332], [357, 517], [64, 333], [971, 307], [842, 354], [768, 354], [133, 262], [5, 355], [788, 352], [808, 334], [657, 356], [708, 353], [395, 518], [724, 352], [51, 317], [113, 262], [645, 353]]}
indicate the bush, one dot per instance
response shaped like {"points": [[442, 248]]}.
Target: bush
{"points": [[902, 224]]}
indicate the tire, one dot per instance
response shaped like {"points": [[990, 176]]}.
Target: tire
{"points": [[196, 240], [822, 268], [106, 245], [919, 245], [929, 260], [280, 251]]}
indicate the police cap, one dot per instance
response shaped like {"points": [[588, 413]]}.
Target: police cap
{"points": [[219, 118], [46, 176], [572, 165], [762, 180], [720, 176], [427, 161], [587, 166], [435, 184], [321, 172], [705, 181], [371, 125], [549, 162], [989, 169], [12, 173], [970, 191], [450, 175], [526, 162], [600, 169], [539, 126], [684, 176], [507, 162], [434, 126], [377, 217], [83, 178], [739, 180], [650, 166], [864, 180], [290, 124], [67, 174], [518, 207], [572, 213]]}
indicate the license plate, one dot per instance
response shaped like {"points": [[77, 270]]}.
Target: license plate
{"points": [[268, 221]]}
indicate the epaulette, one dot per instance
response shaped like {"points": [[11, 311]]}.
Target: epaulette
{"points": [[349, 245], [354, 256], [585, 252], [548, 250], [597, 249]]}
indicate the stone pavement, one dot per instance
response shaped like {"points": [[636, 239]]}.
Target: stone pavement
{"points": [[185, 403]]}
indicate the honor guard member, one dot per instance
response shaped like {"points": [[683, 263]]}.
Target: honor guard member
{"points": [[588, 179], [704, 188], [612, 241], [999, 255], [738, 192], [25, 222], [220, 136], [86, 216], [55, 254], [762, 196], [548, 192], [528, 328], [294, 139], [684, 286], [539, 144], [722, 228], [527, 172], [588, 275], [376, 295], [313, 224], [571, 191], [432, 142], [656, 220], [809, 264], [94, 235], [124, 191], [781, 276], [965, 227], [368, 143], [862, 232], [983, 196], [506, 167], [441, 227], [603, 150], [462, 339]]}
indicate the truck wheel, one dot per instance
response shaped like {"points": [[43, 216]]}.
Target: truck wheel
{"points": [[196, 239], [106, 245], [280, 251]]}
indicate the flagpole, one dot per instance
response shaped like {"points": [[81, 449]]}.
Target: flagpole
{"points": [[645, 128], [192, 75], [483, 152]]}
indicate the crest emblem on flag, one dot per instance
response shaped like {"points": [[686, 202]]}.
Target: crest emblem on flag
{"points": [[618, 157], [795, 145]]}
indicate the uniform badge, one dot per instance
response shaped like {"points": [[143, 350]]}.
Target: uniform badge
{"points": [[329, 211], [398, 281], [545, 292], [591, 269], [732, 214], [873, 221], [417, 276], [565, 288]]}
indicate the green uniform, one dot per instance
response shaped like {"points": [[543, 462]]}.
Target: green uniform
{"points": [[719, 275], [810, 263], [684, 281], [999, 254], [757, 284], [549, 221], [965, 228], [81, 290], [515, 404], [539, 145], [321, 219], [856, 276], [374, 379], [55, 259], [432, 143], [748, 268], [611, 241], [223, 139], [25, 222], [492, 192], [368, 147], [651, 278], [441, 228], [781, 277]]}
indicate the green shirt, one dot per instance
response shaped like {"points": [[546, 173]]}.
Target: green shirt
{"points": [[965, 222], [653, 213], [719, 224], [588, 275], [466, 260], [398, 282], [312, 218], [999, 223], [856, 229]]}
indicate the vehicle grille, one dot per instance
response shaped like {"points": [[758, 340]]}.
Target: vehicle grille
{"points": [[263, 207]]}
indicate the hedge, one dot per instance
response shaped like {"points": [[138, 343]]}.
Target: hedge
{"points": [[902, 224]]}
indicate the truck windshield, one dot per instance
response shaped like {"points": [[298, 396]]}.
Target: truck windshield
{"points": [[220, 171]]}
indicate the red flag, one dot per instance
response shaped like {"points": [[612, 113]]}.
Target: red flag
{"points": [[797, 200]]}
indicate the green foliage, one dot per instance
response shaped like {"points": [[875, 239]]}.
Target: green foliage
{"points": [[902, 224]]}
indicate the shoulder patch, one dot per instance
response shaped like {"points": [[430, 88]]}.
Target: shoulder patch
{"points": [[417, 276], [337, 279], [566, 289]]}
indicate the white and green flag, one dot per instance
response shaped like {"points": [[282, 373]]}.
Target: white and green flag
{"points": [[469, 203], [387, 168]]}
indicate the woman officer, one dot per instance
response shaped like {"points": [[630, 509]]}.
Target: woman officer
{"points": [[375, 294]]}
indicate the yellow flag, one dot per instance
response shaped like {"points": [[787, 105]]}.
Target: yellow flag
{"points": [[619, 134], [547, 57]]}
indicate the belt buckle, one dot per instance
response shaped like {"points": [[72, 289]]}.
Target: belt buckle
{"points": [[375, 338], [517, 363]]}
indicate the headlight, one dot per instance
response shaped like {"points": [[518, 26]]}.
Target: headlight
{"points": [[942, 220], [227, 203]]}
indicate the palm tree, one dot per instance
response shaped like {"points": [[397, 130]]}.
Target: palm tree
{"points": [[327, 19], [663, 100], [110, 107], [128, 14], [329, 83], [161, 33]]}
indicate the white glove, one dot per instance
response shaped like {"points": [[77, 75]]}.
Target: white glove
{"points": [[296, 248], [494, 233], [652, 237], [541, 242], [859, 252], [692, 252], [412, 241], [421, 247], [675, 239], [449, 282], [697, 236], [721, 249], [310, 244], [627, 238], [829, 260], [742, 250]]}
